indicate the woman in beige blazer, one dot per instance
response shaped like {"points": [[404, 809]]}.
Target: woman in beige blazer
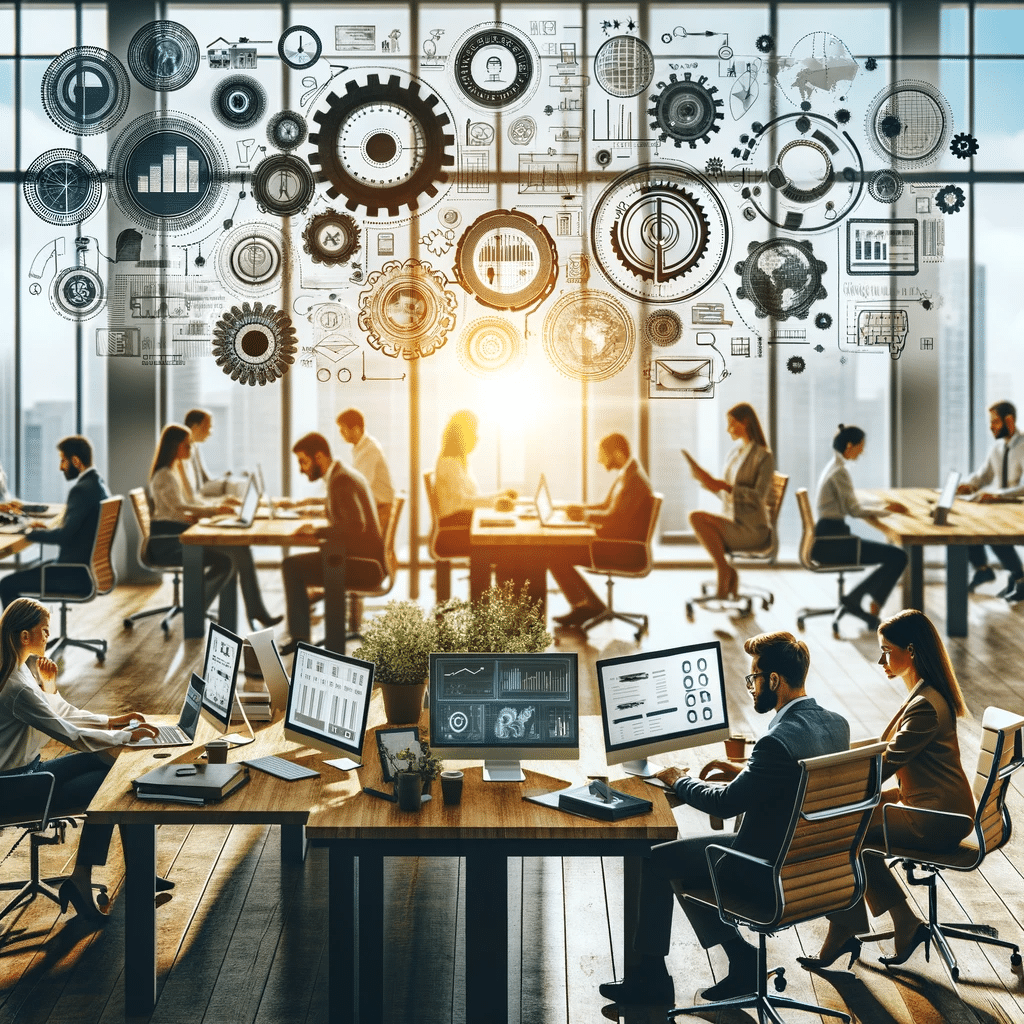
{"points": [[924, 756], [744, 488]]}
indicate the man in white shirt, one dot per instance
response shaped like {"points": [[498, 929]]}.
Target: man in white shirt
{"points": [[1004, 468], [368, 459]]}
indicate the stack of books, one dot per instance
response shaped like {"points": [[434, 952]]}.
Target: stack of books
{"points": [[256, 698]]}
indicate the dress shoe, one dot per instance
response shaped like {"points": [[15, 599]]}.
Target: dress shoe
{"points": [[268, 620], [641, 989], [735, 984], [921, 934], [580, 614], [1012, 584], [163, 884], [85, 909], [983, 575], [1016, 595], [823, 959], [854, 608]]}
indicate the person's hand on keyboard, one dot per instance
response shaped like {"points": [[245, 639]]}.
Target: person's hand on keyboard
{"points": [[671, 775]]}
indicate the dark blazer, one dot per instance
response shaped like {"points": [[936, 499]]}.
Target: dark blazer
{"points": [[626, 512], [352, 513], [752, 488], [76, 531], [764, 792]]}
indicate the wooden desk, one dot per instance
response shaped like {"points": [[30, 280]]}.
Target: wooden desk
{"points": [[520, 552], [968, 522], [12, 543]]}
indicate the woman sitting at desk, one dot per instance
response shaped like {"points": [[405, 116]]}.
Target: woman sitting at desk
{"points": [[837, 499], [744, 489], [176, 507], [924, 755], [31, 714]]}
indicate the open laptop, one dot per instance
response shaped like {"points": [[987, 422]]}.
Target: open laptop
{"points": [[184, 733], [247, 514], [946, 498], [546, 511], [274, 511]]}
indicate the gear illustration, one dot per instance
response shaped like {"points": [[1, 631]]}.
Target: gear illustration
{"points": [[823, 321], [62, 187], [382, 145], [287, 129], [843, 115], [252, 259], [664, 327], [254, 344], [885, 186], [950, 199], [85, 90], [796, 364], [871, 64], [331, 238], [715, 167], [782, 278], [765, 43], [686, 111], [491, 347], [239, 101], [407, 310], [77, 293], [283, 185], [963, 145]]}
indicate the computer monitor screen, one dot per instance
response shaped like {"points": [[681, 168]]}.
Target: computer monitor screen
{"points": [[504, 708], [275, 678], [220, 671], [328, 701], [661, 701]]}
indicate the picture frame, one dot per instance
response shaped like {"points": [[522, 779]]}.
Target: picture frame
{"points": [[392, 741]]}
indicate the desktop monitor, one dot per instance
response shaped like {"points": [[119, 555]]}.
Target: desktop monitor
{"points": [[275, 678], [328, 702], [661, 701], [220, 671], [503, 709]]}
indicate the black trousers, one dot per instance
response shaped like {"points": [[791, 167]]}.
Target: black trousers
{"points": [[1006, 553], [833, 549], [74, 580]]}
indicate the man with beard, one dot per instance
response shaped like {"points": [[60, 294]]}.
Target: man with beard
{"points": [[74, 532], [352, 525], [1005, 467], [764, 792]]}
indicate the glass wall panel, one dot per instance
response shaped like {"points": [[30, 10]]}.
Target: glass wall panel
{"points": [[998, 29]]}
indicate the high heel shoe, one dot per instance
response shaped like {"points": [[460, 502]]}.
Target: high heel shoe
{"points": [[921, 934], [266, 621], [818, 963], [82, 902]]}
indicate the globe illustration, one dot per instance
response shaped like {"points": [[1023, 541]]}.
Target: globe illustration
{"points": [[624, 66]]}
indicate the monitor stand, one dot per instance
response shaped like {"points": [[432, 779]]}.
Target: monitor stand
{"points": [[642, 767], [503, 771]]}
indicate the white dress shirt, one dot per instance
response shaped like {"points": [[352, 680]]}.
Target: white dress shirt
{"points": [[992, 471], [837, 497], [173, 498], [368, 459], [454, 486]]}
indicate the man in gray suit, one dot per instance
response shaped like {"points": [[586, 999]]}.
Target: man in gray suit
{"points": [[764, 792]]}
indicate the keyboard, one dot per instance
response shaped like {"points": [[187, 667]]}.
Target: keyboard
{"points": [[167, 735], [287, 770]]}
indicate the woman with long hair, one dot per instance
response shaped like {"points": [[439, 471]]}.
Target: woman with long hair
{"points": [[176, 507], [31, 714], [744, 487], [923, 753]]}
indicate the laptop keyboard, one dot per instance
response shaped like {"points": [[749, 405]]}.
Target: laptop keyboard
{"points": [[165, 734], [288, 770]]}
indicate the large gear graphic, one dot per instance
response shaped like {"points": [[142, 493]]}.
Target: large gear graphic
{"points": [[382, 145], [254, 344], [686, 111], [491, 347], [781, 278], [63, 187], [85, 90], [950, 199], [331, 238], [589, 335], [283, 185], [406, 309], [963, 145]]}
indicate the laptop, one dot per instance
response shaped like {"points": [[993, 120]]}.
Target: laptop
{"points": [[247, 515], [547, 513], [184, 733], [946, 498], [274, 511]]}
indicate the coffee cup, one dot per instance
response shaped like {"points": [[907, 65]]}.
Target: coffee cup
{"points": [[735, 747], [451, 787], [217, 752]]}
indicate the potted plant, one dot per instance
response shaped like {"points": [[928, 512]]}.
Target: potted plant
{"points": [[500, 622], [414, 771]]}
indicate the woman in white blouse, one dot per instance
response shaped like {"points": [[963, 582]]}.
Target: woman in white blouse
{"points": [[744, 488], [31, 714], [176, 507], [836, 500]]}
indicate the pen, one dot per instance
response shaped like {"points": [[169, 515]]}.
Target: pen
{"points": [[378, 793]]}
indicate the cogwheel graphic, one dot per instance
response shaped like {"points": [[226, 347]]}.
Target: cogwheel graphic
{"points": [[823, 321], [781, 278], [950, 199], [382, 145], [796, 364], [963, 145], [287, 129], [664, 327], [843, 115], [715, 167], [491, 347], [871, 64], [239, 101], [765, 43], [686, 111], [254, 344], [885, 186], [331, 238]]}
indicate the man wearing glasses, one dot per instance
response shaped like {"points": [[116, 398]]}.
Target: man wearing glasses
{"points": [[764, 792]]}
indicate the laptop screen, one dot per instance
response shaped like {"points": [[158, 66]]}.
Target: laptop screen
{"points": [[542, 499], [189, 717], [948, 494], [250, 502]]}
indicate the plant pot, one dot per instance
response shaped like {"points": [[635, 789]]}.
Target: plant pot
{"points": [[402, 704], [408, 789]]}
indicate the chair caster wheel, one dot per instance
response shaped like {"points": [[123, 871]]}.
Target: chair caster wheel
{"points": [[689, 613], [102, 899], [166, 627], [128, 623], [954, 973], [835, 631], [780, 982], [1015, 960]]}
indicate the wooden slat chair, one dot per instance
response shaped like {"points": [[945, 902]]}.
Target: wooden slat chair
{"points": [[1000, 756], [817, 871], [442, 562], [140, 503], [390, 565], [746, 596], [101, 574]]}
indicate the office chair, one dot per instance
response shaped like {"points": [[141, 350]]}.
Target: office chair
{"points": [[436, 546], [140, 504], [849, 545], [1000, 756], [744, 599], [817, 871], [102, 576]]}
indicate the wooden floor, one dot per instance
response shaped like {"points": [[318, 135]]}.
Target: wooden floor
{"points": [[243, 939]]}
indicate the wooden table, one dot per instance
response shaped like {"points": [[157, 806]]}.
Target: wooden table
{"points": [[519, 552], [12, 543], [968, 522]]}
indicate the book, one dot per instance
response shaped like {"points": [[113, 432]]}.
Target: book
{"points": [[210, 782], [580, 800]]}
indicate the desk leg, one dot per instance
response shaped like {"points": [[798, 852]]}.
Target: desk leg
{"points": [[341, 975], [956, 590], [227, 610], [913, 578], [371, 939], [194, 614], [487, 938], [293, 844], [139, 842], [631, 867]]}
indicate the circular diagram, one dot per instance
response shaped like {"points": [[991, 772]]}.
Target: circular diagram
{"points": [[283, 185], [817, 177], [287, 130], [496, 67], [589, 335], [624, 66], [521, 131], [299, 47], [382, 145], [63, 187], [686, 111], [77, 293], [908, 123], [254, 344], [491, 347], [239, 101], [163, 56], [820, 67], [168, 172], [664, 327], [251, 258], [661, 233], [885, 186], [781, 278], [331, 238], [406, 309], [85, 90], [507, 260]]}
